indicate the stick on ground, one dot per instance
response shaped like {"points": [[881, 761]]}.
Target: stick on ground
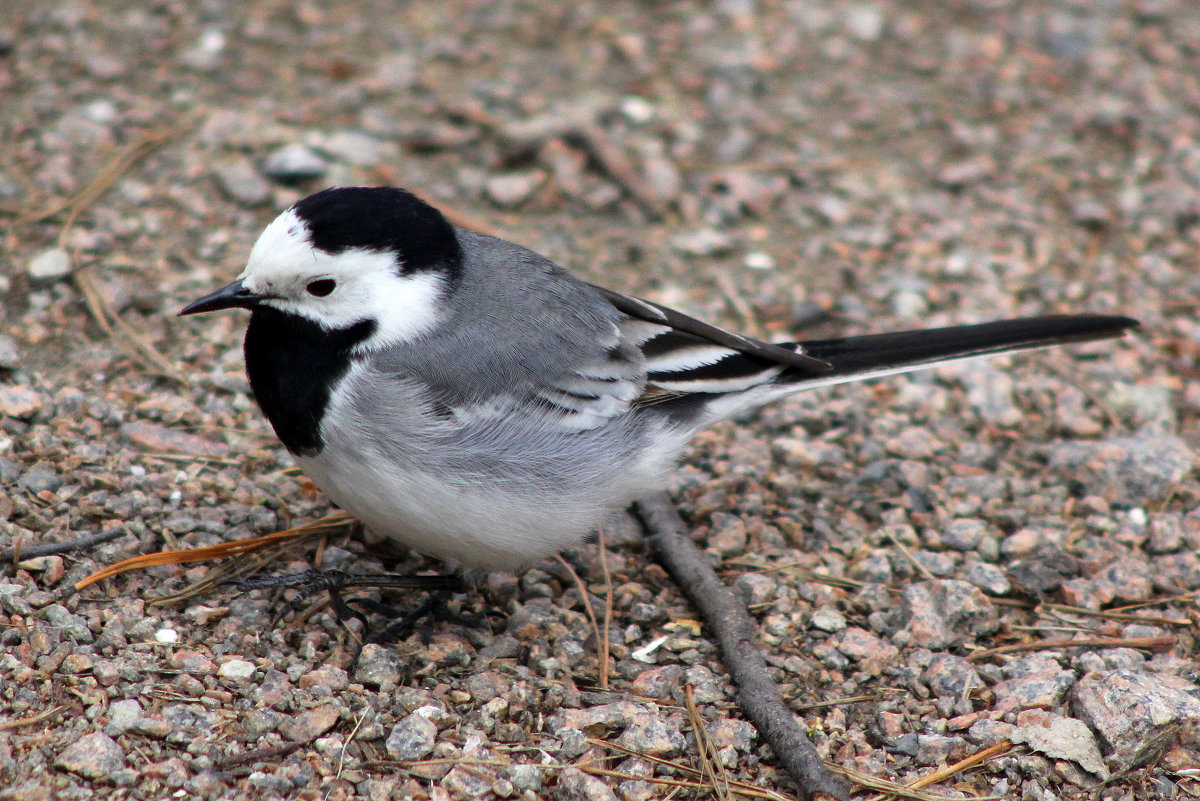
{"points": [[7, 554], [737, 635]]}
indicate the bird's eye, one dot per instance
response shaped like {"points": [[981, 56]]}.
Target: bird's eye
{"points": [[321, 287]]}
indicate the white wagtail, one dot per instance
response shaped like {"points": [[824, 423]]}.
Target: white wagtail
{"points": [[476, 402]]}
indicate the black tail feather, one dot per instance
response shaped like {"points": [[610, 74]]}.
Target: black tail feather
{"points": [[882, 352]]}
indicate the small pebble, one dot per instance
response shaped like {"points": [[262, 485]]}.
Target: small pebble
{"points": [[10, 354], [50, 265], [294, 163], [241, 183], [412, 738], [513, 189], [309, 724], [93, 756], [236, 670], [703, 242], [828, 619]]}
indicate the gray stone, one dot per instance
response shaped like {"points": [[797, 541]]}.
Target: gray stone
{"points": [[648, 732], [703, 242], [572, 743], [1144, 403], [865, 21], [1064, 738], [1138, 714], [412, 738], [939, 749], [827, 619], [40, 478], [1129, 471], [575, 785], [514, 188], [963, 533], [951, 676], [1128, 579], [945, 612], [122, 715], [1043, 571], [398, 70], [988, 578], [10, 353], [1166, 533], [19, 401], [872, 652], [662, 683], [71, 625], [241, 183], [356, 148], [236, 670], [93, 756], [990, 392], [294, 163], [1032, 681], [378, 666]]}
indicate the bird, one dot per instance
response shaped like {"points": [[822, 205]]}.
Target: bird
{"points": [[476, 402]]}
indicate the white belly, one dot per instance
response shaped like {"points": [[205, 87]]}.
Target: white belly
{"points": [[473, 526]]}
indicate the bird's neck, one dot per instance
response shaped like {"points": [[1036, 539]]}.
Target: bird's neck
{"points": [[293, 365]]}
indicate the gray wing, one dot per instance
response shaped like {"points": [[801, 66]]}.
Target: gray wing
{"points": [[527, 337]]}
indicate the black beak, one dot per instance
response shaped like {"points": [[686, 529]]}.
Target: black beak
{"points": [[236, 295]]}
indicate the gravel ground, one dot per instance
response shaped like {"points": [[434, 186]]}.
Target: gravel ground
{"points": [[845, 166]]}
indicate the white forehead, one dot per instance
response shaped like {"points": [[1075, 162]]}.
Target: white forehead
{"points": [[369, 284], [283, 254]]}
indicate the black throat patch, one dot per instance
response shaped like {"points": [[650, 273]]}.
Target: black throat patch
{"points": [[293, 365]]}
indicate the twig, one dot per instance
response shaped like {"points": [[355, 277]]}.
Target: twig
{"points": [[608, 610], [52, 548], [620, 167], [710, 760], [737, 636], [236, 567], [747, 319], [1189, 597], [9, 725], [1164, 641], [907, 554], [941, 774], [109, 174], [947, 771], [211, 552], [735, 786], [254, 755], [346, 745], [852, 699], [123, 335], [886, 787], [601, 641]]}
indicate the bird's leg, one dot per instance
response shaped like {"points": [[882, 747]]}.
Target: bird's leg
{"points": [[432, 610], [309, 582]]}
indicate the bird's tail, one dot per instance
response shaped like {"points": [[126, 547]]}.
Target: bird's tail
{"points": [[701, 381], [864, 357], [737, 381]]}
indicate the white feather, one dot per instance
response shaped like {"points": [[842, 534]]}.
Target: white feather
{"points": [[369, 285]]}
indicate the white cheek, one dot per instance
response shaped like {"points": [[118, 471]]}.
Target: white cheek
{"points": [[403, 308]]}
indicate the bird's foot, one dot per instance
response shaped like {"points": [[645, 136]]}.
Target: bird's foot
{"points": [[433, 609], [310, 582]]}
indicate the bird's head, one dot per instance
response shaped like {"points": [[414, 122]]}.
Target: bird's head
{"points": [[346, 256]]}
